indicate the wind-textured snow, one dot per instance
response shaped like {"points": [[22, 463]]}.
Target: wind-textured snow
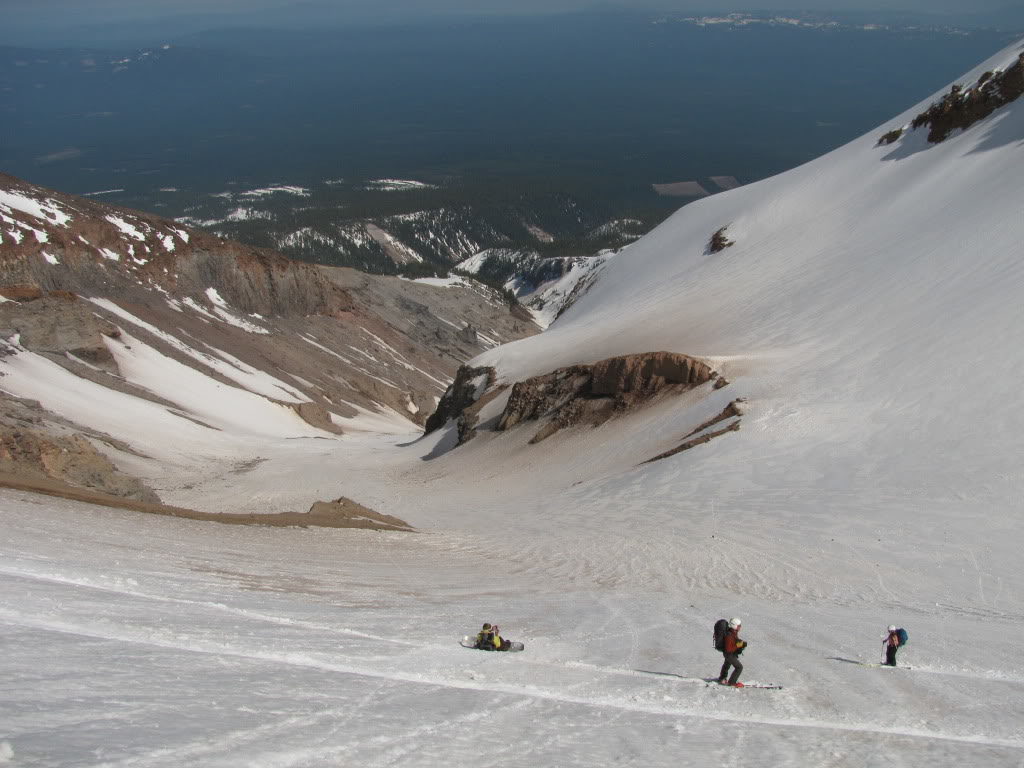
{"points": [[868, 312]]}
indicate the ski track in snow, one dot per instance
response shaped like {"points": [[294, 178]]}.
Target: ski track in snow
{"points": [[631, 704]]}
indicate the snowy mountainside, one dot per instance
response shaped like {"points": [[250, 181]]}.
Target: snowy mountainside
{"points": [[113, 319], [858, 348], [865, 320]]}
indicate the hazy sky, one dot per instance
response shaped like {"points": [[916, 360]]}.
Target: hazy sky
{"points": [[140, 8], [34, 22]]}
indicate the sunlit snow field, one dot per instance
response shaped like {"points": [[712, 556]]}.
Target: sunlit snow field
{"points": [[868, 315]]}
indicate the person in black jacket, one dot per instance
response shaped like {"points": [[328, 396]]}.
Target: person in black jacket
{"points": [[892, 644]]}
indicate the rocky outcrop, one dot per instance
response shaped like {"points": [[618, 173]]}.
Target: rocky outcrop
{"points": [[70, 459], [729, 418], [460, 401], [592, 394], [60, 325], [345, 513], [317, 416], [962, 107], [719, 242]]}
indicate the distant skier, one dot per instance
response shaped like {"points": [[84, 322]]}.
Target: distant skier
{"points": [[488, 639], [894, 640], [732, 647]]}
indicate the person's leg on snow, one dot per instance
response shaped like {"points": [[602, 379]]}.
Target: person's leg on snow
{"points": [[724, 674], [731, 660], [890, 655], [737, 670]]}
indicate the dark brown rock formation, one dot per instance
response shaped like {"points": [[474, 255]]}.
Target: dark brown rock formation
{"points": [[962, 107], [592, 394], [463, 393], [719, 242]]}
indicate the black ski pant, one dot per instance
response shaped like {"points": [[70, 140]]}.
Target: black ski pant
{"points": [[890, 655], [731, 660]]}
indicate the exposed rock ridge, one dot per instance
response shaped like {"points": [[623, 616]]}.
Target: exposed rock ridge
{"points": [[345, 513], [577, 394], [592, 394], [53, 242], [463, 400], [700, 434], [961, 108]]}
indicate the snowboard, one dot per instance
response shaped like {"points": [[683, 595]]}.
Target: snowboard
{"points": [[470, 642]]}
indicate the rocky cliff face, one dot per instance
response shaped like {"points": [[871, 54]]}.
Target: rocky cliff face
{"points": [[76, 275], [589, 394]]}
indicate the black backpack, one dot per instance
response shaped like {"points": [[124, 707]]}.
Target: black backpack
{"points": [[721, 629]]}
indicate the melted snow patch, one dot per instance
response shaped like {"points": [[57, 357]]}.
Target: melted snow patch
{"points": [[248, 378], [395, 185], [195, 306], [248, 214], [455, 281], [220, 307], [383, 421], [125, 227], [274, 189], [47, 210]]}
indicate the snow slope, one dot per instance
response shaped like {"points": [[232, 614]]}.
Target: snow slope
{"points": [[869, 312]]}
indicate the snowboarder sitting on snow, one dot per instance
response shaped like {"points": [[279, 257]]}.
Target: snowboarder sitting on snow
{"points": [[892, 643], [731, 650], [488, 639]]}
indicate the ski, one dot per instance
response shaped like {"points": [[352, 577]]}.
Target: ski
{"points": [[883, 666], [708, 681], [762, 686]]}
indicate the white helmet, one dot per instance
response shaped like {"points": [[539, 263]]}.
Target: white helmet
{"points": [[892, 627], [733, 623]]}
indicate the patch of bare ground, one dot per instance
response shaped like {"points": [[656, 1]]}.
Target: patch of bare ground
{"points": [[699, 435], [342, 513]]}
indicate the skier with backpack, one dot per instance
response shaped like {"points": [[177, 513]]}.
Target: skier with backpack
{"points": [[727, 640], [894, 639]]}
